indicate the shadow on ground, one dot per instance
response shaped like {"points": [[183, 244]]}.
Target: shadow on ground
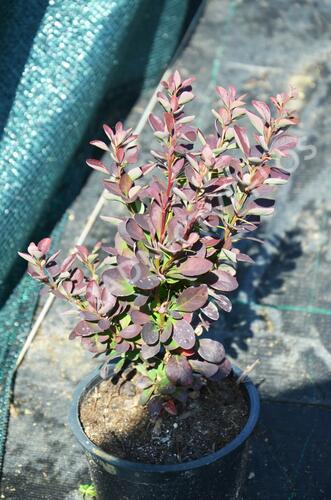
{"points": [[257, 281], [288, 455]]}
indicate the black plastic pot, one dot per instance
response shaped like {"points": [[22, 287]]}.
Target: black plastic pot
{"points": [[214, 476]]}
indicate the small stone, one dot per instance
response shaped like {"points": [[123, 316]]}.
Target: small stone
{"points": [[175, 425], [128, 389], [251, 475]]}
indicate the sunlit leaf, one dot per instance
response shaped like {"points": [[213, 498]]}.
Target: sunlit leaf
{"points": [[184, 334], [116, 283], [192, 298], [211, 350], [195, 266]]}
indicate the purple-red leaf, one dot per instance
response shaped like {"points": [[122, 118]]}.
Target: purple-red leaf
{"points": [[134, 230], [130, 331], [166, 332], [142, 382], [97, 165], [170, 122], [44, 245], [156, 217], [67, 263], [122, 347], [27, 257], [185, 97], [284, 142], [179, 371], [141, 279], [203, 367], [263, 109], [108, 131], [260, 207], [225, 368], [149, 334], [223, 281], [125, 183], [84, 329], [242, 139], [100, 145], [256, 121], [34, 250], [184, 334], [211, 311], [149, 351], [156, 123], [170, 407], [192, 298], [195, 266], [96, 344], [224, 302], [223, 93], [139, 317], [211, 350], [243, 257]]}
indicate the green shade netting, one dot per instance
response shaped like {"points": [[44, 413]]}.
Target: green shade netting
{"points": [[59, 59]]}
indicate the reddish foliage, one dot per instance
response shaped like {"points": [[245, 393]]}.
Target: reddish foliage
{"points": [[175, 254]]}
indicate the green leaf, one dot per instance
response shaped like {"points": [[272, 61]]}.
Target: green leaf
{"points": [[227, 268], [275, 181], [171, 346], [88, 490], [228, 255], [161, 370], [116, 283], [152, 374], [142, 369], [173, 281], [125, 321], [119, 365], [165, 386], [146, 395], [121, 245], [132, 355]]}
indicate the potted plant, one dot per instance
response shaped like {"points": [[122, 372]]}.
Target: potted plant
{"points": [[164, 414]]}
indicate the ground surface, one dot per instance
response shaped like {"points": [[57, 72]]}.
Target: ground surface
{"points": [[282, 314]]}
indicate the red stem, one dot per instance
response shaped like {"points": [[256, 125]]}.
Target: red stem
{"points": [[166, 202]]}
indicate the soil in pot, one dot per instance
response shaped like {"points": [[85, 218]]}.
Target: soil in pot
{"points": [[114, 421]]}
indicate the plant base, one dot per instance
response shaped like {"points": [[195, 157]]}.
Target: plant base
{"points": [[213, 476]]}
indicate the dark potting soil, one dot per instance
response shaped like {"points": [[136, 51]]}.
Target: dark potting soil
{"points": [[119, 425]]}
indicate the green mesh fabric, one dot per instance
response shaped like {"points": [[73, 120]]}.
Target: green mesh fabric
{"points": [[59, 59]]}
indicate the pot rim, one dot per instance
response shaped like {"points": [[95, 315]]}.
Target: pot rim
{"points": [[93, 378]]}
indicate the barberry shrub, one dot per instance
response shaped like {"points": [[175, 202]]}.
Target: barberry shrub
{"points": [[149, 299]]}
